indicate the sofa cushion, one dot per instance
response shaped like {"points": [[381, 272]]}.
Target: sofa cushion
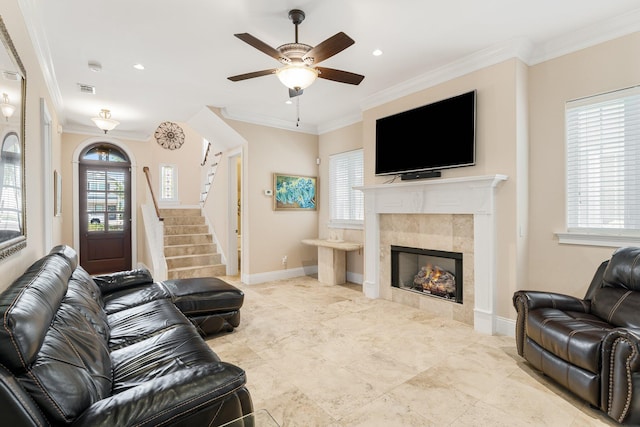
{"points": [[123, 279], [85, 296], [27, 308], [172, 350], [72, 370], [142, 321], [618, 306], [572, 336], [134, 296]]}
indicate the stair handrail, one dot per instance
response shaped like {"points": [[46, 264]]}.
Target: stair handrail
{"points": [[206, 154], [153, 196]]}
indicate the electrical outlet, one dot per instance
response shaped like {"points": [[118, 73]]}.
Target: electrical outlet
{"points": [[284, 260]]}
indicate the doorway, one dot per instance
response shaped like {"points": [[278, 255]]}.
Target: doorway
{"points": [[104, 209], [234, 247]]}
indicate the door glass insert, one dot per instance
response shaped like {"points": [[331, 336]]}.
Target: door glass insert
{"points": [[106, 200]]}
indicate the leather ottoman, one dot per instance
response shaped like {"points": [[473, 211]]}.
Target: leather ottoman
{"points": [[211, 304]]}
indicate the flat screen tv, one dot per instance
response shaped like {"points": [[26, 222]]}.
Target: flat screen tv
{"points": [[435, 136]]}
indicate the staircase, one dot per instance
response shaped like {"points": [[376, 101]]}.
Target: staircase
{"points": [[188, 246]]}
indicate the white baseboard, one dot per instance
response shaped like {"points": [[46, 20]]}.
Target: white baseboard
{"points": [[505, 326], [355, 278], [253, 279]]}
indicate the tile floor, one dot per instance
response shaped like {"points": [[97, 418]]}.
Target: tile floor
{"points": [[319, 355]]}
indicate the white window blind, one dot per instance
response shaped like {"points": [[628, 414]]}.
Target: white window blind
{"points": [[603, 163], [168, 183], [346, 170]]}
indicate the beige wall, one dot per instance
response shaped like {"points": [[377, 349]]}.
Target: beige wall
{"points": [[339, 141], [274, 234], [605, 67], [12, 266], [500, 147]]}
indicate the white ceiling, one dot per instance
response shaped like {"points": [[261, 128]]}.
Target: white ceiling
{"points": [[189, 50]]}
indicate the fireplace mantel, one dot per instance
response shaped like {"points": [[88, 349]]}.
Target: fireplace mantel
{"points": [[466, 195]]}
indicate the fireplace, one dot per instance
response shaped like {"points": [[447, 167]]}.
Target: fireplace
{"points": [[450, 198], [429, 272]]}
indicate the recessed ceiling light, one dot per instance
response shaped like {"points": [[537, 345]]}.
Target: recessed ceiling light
{"points": [[377, 52], [138, 67], [288, 102]]}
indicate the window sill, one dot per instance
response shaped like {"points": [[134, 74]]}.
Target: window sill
{"points": [[346, 225], [597, 239]]}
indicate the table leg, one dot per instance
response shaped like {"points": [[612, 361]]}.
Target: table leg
{"points": [[332, 266]]}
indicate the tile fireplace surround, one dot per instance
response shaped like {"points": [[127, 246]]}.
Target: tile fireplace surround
{"points": [[457, 197]]}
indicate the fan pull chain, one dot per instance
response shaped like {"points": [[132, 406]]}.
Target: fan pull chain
{"points": [[298, 111]]}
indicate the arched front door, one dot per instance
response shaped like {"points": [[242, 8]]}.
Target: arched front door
{"points": [[105, 209]]}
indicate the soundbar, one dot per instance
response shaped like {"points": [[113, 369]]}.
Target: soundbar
{"points": [[420, 175]]}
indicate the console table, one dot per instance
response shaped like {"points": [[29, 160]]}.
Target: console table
{"points": [[332, 259]]}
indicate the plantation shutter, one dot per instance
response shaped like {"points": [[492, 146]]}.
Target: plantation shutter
{"points": [[346, 170], [603, 162]]}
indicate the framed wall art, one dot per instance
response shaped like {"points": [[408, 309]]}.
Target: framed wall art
{"points": [[295, 192]]}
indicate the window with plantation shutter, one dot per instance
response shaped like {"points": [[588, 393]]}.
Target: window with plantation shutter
{"points": [[603, 164], [346, 170]]}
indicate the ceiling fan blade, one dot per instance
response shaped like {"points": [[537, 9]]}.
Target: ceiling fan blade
{"points": [[329, 47], [293, 93], [246, 76], [339, 76], [262, 47]]}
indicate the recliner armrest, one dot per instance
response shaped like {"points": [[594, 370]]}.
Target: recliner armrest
{"points": [[621, 375], [537, 299], [122, 279], [523, 301]]}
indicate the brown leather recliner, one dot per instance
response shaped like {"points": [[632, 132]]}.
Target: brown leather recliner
{"points": [[591, 346]]}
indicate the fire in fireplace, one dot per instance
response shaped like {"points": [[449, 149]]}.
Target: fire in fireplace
{"points": [[430, 272]]}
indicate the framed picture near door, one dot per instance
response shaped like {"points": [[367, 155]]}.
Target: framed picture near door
{"points": [[295, 192]]}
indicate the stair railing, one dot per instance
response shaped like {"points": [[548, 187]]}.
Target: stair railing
{"points": [[154, 233], [211, 173]]}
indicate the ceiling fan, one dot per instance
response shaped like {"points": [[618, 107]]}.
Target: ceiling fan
{"points": [[300, 60]]}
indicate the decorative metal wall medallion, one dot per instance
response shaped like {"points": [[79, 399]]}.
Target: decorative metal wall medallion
{"points": [[169, 135]]}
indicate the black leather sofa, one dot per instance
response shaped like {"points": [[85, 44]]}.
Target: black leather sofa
{"points": [[114, 353], [591, 346]]}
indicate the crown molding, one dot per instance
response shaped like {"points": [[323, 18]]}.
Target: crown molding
{"points": [[585, 37], [95, 132], [340, 123], [515, 48], [35, 28], [256, 119]]}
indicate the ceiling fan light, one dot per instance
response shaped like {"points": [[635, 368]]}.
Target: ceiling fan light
{"points": [[104, 121], [297, 76]]}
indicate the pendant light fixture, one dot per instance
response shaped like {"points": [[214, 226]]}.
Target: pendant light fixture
{"points": [[104, 121], [6, 108]]}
